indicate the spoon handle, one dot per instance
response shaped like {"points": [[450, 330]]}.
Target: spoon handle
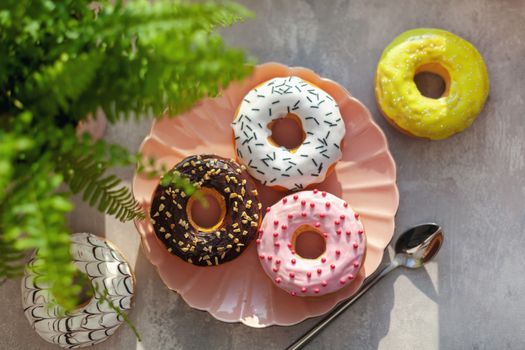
{"points": [[369, 282]]}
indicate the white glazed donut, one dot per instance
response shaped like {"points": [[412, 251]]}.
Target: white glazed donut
{"points": [[276, 165], [94, 322]]}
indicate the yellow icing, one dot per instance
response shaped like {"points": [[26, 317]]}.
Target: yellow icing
{"points": [[440, 52]]}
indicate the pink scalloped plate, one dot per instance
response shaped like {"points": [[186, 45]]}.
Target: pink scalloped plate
{"points": [[240, 291]]}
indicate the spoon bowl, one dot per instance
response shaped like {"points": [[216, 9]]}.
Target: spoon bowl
{"points": [[418, 245]]}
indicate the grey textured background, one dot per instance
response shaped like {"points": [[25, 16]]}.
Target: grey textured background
{"points": [[473, 184]]}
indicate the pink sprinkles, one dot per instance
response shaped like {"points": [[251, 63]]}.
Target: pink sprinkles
{"points": [[336, 223]]}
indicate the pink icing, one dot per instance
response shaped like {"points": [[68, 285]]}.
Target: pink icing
{"points": [[331, 216]]}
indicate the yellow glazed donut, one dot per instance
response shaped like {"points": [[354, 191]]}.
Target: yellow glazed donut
{"points": [[440, 52]]}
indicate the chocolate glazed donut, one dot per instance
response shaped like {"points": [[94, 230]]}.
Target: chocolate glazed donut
{"points": [[230, 185]]}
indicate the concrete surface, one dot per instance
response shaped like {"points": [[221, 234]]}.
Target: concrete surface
{"points": [[473, 184]]}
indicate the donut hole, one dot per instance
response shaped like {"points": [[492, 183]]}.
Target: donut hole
{"points": [[207, 212], [432, 80], [308, 242], [287, 132], [86, 289]]}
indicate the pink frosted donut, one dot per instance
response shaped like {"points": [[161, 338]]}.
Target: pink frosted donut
{"points": [[314, 212]]}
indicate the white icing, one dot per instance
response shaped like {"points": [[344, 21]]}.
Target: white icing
{"points": [[321, 121], [94, 322]]}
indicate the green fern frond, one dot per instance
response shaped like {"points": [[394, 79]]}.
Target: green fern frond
{"points": [[104, 297], [36, 219], [105, 192], [162, 50], [144, 18], [11, 146], [51, 89], [61, 61], [11, 264]]}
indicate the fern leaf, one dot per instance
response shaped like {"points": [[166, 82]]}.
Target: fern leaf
{"points": [[36, 219], [105, 192], [11, 264], [165, 47], [52, 88]]}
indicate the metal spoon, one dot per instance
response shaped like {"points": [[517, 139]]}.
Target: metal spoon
{"points": [[413, 249]]}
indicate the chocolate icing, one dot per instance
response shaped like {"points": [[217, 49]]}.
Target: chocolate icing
{"points": [[239, 227]]}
